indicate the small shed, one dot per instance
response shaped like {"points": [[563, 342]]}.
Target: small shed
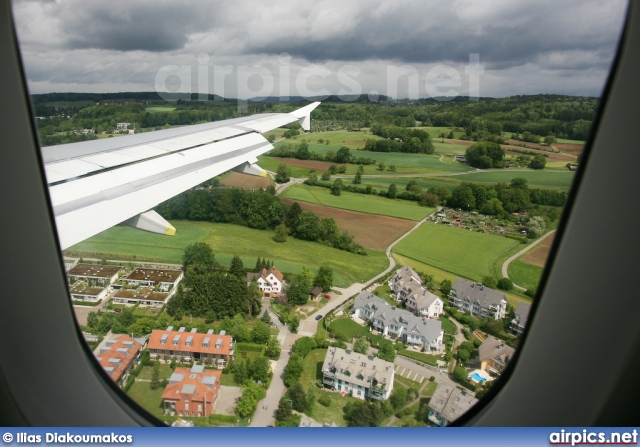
{"points": [[315, 292]]}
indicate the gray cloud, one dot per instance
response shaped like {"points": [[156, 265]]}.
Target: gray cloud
{"points": [[525, 47]]}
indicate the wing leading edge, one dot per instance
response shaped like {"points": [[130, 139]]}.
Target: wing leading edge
{"points": [[97, 184]]}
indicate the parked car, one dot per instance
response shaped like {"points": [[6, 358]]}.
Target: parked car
{"points": [[118, 311], [328, 297], [318, 317]]}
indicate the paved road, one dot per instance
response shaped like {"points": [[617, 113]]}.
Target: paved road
{"points": [[505, 266]]}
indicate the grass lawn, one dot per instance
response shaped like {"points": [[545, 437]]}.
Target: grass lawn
{"points": [[312, 372], [409, 420], [227, 379], [350, 329], [525, 275], [150, 400], [466, 253], [447, 325], [157, 109], [228, 240], [164, 372], [384, 291], [420, 356], [438, 274], [429, 389], [364, 203], [408, 382]]}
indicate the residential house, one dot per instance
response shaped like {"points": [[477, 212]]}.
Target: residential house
{"points": [[95, 273], [424, 303], [82, 291], [143, 296], [494, 354], [404, 282], [117, 355], [209, 349], [477, 300], [192, 391], [123, 126], [359, 375], [448, 403], [315, 293], [270, 282], [398, 323], [520, 320], [165, 279]]}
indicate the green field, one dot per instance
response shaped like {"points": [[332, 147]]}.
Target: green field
{"points": [[364, 203], [157, 109], [534, 178], [270, 164], [564, 140], [465, 253], [228, 240], [525, 275]]}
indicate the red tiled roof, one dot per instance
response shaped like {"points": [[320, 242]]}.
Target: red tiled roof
{"points": [[113, 353], [196, 345], [173, 390]]}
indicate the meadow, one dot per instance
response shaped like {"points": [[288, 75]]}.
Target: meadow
{"points": [[227, 240], [465, 253], [364, 203], [525, 275]]}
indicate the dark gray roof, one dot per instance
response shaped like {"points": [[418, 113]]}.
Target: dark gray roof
{"points": [[316, 291], [498, 350], [522, 312], [428, 328], [477, 292], [451, 402]]}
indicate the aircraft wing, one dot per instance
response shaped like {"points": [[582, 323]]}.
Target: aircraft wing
{"points": [[97, 184]]}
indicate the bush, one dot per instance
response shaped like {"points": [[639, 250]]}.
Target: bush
{"points": [[505, 284], [324, 401]]}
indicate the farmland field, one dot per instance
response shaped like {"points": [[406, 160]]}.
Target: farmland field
{"points": [[538, 256], [358, 202], [525, 275], [534, 178], [372, 231], [465, 253], [244, 181], [157, 109], [228, 240]]}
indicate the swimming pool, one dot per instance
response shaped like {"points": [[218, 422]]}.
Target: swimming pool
{"points": [[477, 377]]}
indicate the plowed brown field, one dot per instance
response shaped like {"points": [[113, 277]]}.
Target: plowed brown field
{"points": [[245, 181], [373, 232], [541, 253]]}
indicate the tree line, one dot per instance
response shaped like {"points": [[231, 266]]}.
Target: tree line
{"points": [[257, 209]]}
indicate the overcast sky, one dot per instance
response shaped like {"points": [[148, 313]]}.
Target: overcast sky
{"points": [[402, 48]]}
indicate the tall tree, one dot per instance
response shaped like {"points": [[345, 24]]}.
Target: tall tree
{"points": [[199, 255], [324, 278], [237, 268], [282, 173]]}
